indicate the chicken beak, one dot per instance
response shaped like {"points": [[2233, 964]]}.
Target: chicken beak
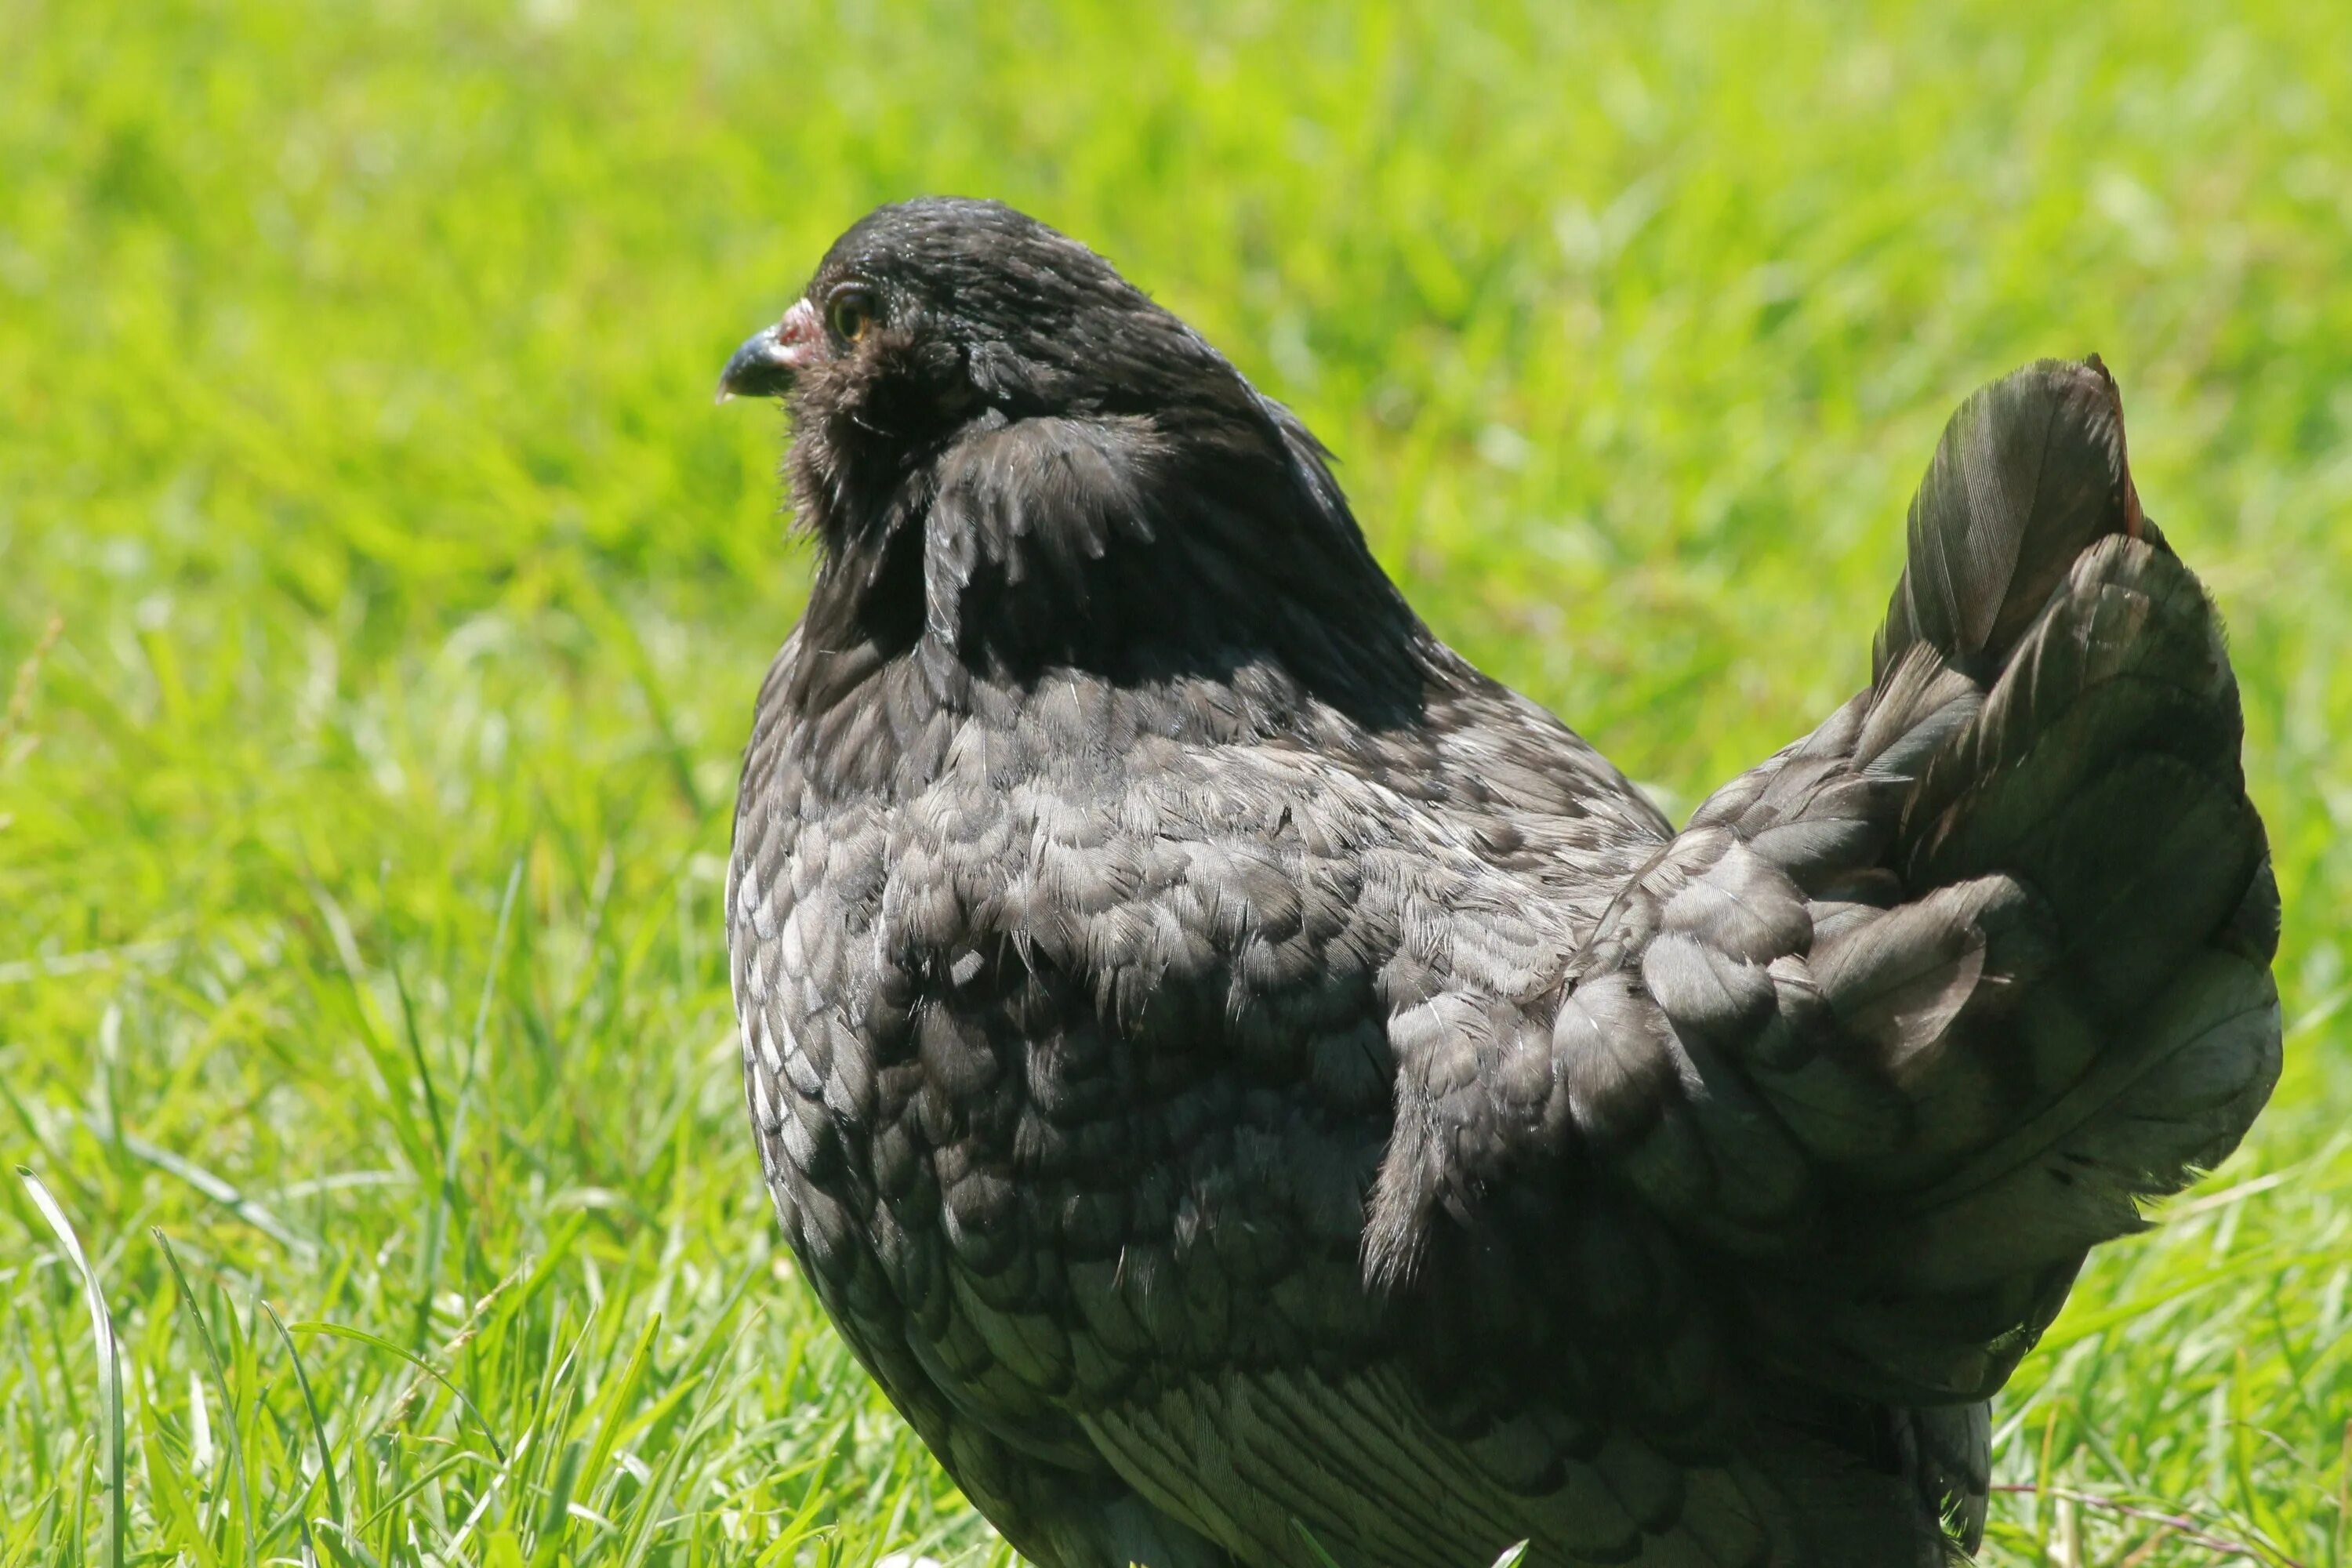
{"points": [[769, 360]]}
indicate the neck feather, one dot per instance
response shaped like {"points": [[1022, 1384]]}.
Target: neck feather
{"points": [[1206, 584]]}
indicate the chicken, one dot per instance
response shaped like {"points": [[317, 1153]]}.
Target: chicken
{"points": [[1238, 1077]]}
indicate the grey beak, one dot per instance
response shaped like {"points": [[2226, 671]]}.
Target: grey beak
{"points": [[769, 360]]}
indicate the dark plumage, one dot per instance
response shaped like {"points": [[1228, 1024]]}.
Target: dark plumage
{"points": [[1228, 1066]]}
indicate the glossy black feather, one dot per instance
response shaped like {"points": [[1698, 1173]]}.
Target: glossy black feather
{"points": [[1227, 1067]]}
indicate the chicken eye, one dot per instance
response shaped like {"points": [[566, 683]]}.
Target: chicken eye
{"points": [[850, 311]]}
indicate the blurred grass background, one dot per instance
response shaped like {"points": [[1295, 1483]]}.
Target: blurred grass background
{"points": [[387, 601]]}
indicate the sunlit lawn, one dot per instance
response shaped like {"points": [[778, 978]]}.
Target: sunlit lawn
{"points": [[389, 599]]}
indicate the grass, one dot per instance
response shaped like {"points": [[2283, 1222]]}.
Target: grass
{"points": [[386, 601]]}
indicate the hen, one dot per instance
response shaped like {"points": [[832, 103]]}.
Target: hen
{"points": [[1239, 1076]]}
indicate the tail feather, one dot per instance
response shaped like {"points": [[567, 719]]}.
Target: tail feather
{"points": [[2030, 472], [1949, 989]]}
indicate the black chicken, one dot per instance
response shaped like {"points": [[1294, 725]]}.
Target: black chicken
{"points": [[1237, 1075]]}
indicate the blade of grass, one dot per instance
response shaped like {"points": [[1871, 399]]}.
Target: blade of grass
{"points": [[109, 1373], [310, 1408], [377, 1342], [230, 1424]]}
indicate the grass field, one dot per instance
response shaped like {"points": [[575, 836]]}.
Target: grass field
{"points": [[386, 600]]}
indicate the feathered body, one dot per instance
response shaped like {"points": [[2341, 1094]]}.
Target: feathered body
{"points": [[1235, 1073]]}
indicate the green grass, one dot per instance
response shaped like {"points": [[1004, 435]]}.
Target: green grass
{"points": [[389, 600]]}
